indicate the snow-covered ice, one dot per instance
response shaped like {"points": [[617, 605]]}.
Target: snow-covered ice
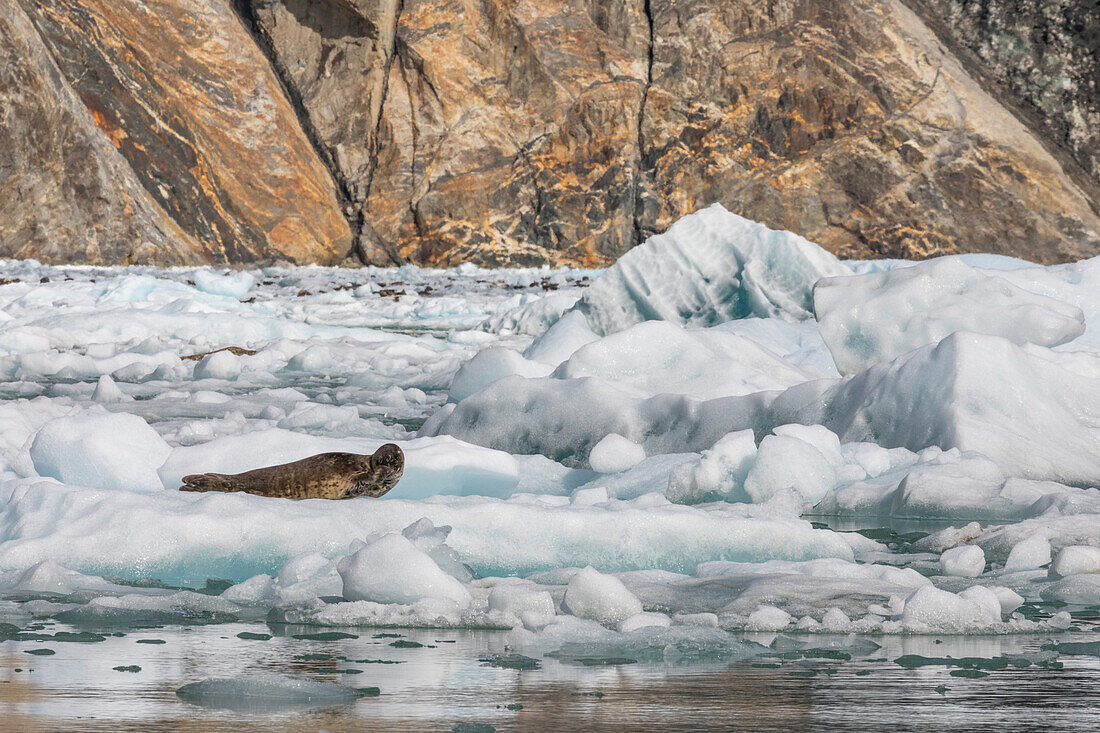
{"points": [[874, 318]]}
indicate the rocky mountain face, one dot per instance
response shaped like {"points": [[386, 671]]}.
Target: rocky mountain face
{"points": [[1042, 59], [529, 131], [153, 131]]}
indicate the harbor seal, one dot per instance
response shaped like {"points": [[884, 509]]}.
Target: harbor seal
{"points": [[324, 476]]}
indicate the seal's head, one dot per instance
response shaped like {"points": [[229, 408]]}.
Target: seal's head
{"points": [[386, 466]]}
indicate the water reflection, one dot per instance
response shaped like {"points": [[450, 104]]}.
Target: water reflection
{"points": [[442, 683]]}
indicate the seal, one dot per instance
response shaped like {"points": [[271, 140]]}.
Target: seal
{"points": [[324, 476]]}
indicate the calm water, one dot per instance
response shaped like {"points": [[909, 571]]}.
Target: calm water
{"points": [[443, 684]]}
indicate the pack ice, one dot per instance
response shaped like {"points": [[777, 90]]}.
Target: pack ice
{"points": [[650, 461]]}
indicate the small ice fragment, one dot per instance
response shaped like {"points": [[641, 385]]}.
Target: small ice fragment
{"points": [[603, 598], [100, 450], [950, 537], [393, 570], [835, 620], [718, 474], [266, 691], [106, 391], [535, 608], [1074, 560], [232, 285], [644, 620], [768, 618], [1028, 554], [254, 591], [219, 365], [967, 561], [615, 454]]}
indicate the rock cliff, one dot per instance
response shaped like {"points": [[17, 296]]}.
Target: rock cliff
{"points": [[529, 131], [169, 139]]}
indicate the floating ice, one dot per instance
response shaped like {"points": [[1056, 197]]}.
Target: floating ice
{"points": [[488, 366], [599, 597], [533, 315], [1075, 560], [614, 454], [564, 418], [219, 365], [1033, 411], [661, 358], [233, 285], [805, 458], [266, 691], [709, 267], [931, 610], [768, 618], [561, 340], [107, 391], [1029, 554], [533, 607], [719, 474], [644, 620], [100, 450], [868, 319], [967, 561], [257, 590], [393, 570]]}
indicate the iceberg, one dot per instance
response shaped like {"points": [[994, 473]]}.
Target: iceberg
{"points": [[709, 267]]}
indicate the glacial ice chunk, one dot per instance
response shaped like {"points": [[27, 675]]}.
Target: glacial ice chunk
{"points": [[107, 391], [805, 458], [643, 620], [1033, 411], [718, 475], [663, 358], [603, 598], [561, 340], [1029, 554], [100, 450], [967, 561], [533, 607], [489, 365], [615, 454], [874, 318], [1075, 560], [563, 419], [232, 285], [393, 570], [768, 618], [266, 691], [931, 610], [219, 365], [709, 267]]}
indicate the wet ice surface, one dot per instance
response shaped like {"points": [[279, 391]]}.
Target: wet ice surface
{"points": [[612, 529]]}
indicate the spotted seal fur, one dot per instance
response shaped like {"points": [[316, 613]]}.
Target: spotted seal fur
{"points": [[324, 476]]}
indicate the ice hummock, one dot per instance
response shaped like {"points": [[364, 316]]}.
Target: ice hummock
{"points": [[1033, 411], [709, 267], [874, 318]]}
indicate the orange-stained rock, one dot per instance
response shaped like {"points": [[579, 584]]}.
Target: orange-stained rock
{"points": [[65, 192], [516, 131], [196, 114]]}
